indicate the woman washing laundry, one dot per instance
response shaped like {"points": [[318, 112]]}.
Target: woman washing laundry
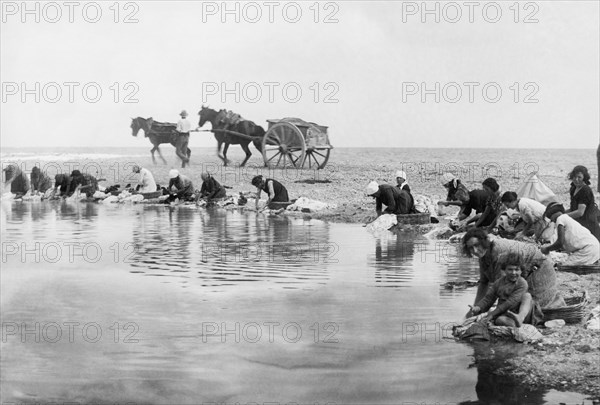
{"points": [[583, 248], [276, 192]]}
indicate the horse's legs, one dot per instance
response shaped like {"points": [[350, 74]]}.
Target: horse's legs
{"points": [[225, 148], [219, 144], [152, 152], [181, 146], [247, 150], [161, 156]]}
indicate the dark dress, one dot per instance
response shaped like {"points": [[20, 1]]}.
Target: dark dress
{"points": [[20, 184], [589, 219], [64, 182], [477, 201], [406, 188], [40, 181], [495, 205], [281, 194], [88, 183], [397, 201], [212, 189]]}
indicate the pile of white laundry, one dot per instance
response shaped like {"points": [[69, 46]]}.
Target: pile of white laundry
{"points": [[307, 205], [382, 223]]}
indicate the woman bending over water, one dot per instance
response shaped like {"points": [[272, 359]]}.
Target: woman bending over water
{"points": [[493, 253]]}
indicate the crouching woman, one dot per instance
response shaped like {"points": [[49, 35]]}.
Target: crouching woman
{"points": [[493, 253], [583, 247], [515, 304]]}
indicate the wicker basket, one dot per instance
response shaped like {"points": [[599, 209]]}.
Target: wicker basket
{"points": [[580, 269], [413, 219], [573, 312], [152, 194]]}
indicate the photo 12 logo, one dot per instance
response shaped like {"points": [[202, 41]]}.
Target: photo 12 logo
{"points": [[471, 92], [69, 92], [269, 332], [253, 12], [80, 252], [453, 12], [68, 332], [270, 92], [69, 11]]}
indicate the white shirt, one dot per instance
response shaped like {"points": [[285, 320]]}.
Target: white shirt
{"points": [[531, 210], [183, 125], [576, 235], [147, 181]]}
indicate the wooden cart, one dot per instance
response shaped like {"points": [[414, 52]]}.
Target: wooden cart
{"points": [[296, 143]]}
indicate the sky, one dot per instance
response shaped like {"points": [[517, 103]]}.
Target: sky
{"points": [[379, 74]]}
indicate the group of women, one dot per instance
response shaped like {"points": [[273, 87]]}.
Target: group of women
{"points": [[577, 232], [577, 229]]}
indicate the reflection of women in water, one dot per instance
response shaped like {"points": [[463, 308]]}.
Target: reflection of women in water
{"points": [[393, 261], [538, 269], [583, 207], [492, 388]]}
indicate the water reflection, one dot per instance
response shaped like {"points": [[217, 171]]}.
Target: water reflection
{"points": [[236, 268], [220, 248], [493, 389], [393, 257]]}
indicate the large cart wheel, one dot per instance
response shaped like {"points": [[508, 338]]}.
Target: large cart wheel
{"points": [[284, 144], [316, 158]]}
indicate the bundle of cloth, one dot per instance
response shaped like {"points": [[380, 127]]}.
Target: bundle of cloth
{"points": [[382, 224], [123, 197], [474, 328], [305, 204], [425, 204]]}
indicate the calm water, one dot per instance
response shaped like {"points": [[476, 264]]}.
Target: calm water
{"points": [[164, 305]]}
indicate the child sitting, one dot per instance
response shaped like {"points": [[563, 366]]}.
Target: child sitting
{"points": [[514, 302]]}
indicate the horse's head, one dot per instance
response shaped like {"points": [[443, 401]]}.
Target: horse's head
{"points": [[206, 114], [140, 123], [135, 126]]}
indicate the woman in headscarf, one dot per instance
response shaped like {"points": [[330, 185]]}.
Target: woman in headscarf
{"points": [[211, 189], [583, 207], [401, 182], [583, 248], [16, 179], [493, 252]]}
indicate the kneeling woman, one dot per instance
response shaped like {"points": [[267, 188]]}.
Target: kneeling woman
{"points": [[583, 247], [493, 252], [515, 305], [277, 193]]}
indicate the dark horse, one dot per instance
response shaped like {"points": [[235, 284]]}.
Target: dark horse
{"points": [[254, 133], [161, 132]]}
